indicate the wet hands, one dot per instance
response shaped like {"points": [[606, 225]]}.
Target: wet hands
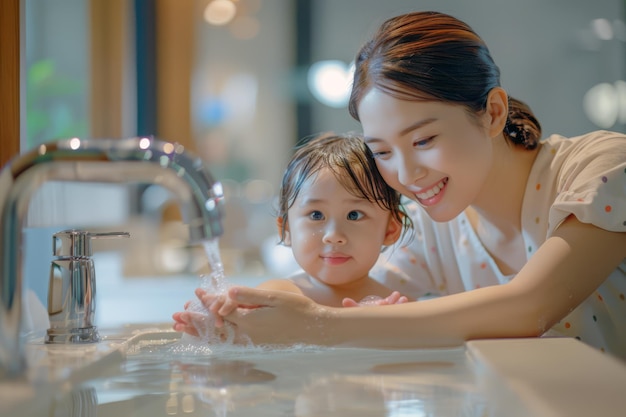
{"points": [[220, 305], [195, 321], [262, 317], [271, 317], [280, 317], [184, 322]]}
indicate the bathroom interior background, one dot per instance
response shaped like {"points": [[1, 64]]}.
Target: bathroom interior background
{"points": [[240, 93]]}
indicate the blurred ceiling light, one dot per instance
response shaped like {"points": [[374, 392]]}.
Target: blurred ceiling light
{"points": [[220, 12], [330, 82], [601, 105], [602, 28]]}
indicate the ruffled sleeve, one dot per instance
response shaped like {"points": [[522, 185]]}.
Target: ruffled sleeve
{"points": [[591, 183]]}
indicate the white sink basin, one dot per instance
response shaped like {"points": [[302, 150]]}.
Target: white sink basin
{"points": [[164, 375]]}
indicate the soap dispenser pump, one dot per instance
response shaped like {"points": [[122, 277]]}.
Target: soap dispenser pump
{"points": [[72, 287]]}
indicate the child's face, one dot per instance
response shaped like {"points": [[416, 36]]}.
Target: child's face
{"points": [[335, 236], [431, 152]]}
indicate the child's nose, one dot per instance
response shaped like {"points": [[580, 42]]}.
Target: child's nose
{"points": [[333, 234]]}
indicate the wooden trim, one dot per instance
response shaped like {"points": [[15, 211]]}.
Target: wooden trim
{"points": [[175, 24], [9, 79], [109, 40]]}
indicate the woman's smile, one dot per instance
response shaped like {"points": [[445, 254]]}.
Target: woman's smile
{"points": [[432, 195]]}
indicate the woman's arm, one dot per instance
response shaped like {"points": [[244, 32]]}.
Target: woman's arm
{"points": [[223, 305], [220, 305], [564, 271], [280, 285]]}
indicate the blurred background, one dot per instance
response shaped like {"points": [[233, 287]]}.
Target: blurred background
{"points": [[240, 81]]}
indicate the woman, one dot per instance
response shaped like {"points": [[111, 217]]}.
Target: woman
{"points": [[516, 236]]}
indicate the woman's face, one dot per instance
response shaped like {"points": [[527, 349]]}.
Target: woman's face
{"points": [[430, 151]]}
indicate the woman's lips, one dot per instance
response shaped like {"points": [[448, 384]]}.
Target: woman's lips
{"points": [[433, 194]]}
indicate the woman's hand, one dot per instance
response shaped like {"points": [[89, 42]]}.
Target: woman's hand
{"points": [[278, 317], [394, 298]]}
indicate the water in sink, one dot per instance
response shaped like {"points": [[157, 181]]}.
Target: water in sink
{"points": [[165, 375]]}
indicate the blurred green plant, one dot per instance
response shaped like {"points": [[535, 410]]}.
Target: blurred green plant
{"points": [[53, 104]]}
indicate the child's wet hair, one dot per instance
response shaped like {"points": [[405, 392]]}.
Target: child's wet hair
{"points": [[353, 165], [431, 56]]}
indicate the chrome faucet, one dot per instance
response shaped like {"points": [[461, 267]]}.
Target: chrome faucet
{"points": [[133, 160]]}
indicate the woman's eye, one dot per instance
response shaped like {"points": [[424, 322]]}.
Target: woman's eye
{"points": [[379, 154], [422, 143], [355, 215], [316, 215]]}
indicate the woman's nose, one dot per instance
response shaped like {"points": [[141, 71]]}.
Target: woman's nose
{"points": [[333, 234], [409, 170]]}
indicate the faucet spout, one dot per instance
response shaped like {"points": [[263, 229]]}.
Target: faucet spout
{"points": [[133, 160]]}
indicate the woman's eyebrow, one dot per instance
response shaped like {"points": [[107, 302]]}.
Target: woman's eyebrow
{"points": [[414, 126]]}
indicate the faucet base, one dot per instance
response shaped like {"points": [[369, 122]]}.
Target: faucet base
{"points": [[69, 336]]}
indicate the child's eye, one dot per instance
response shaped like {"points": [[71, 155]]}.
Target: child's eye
{"points": [[316, 215], [355, 215]]}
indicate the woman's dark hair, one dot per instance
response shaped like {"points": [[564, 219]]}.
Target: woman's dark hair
{"points": [[434, 56], [352, 163]]}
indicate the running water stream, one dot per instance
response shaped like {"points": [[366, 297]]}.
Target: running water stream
{"points": [[216, 280], [215, 283]]}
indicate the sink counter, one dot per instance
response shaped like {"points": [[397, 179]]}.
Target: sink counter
{"points": [[53, 368], [557, 376]]}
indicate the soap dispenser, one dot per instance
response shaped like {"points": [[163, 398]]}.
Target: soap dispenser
{"points": [[72, 287]]}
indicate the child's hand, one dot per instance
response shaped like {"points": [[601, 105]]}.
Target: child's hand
{"points": [[186, 321], [394, 298], [220, 305], [183, 322]]}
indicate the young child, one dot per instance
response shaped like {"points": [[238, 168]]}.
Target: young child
{"points": [[336, 213]]}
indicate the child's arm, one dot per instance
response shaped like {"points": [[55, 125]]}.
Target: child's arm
{"points": [[394, 298]]}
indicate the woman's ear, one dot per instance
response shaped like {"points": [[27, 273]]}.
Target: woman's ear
{"points": [[283, 230], [394, 229], [498, 110]]}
